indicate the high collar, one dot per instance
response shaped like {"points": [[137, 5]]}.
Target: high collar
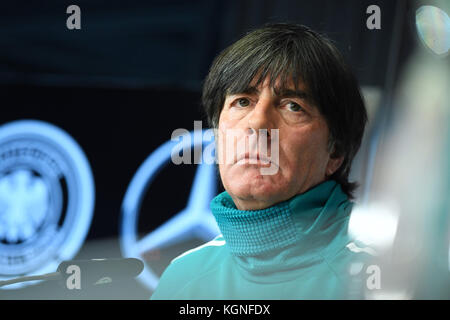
{"points": [[292, 232]]}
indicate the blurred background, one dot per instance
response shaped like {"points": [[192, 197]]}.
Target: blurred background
{"points": [[82, 111]]}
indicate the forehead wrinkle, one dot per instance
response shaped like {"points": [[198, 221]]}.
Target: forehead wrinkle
{"points": [[277, 91], [280, 89]]}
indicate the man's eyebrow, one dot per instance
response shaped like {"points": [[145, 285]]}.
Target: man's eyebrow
{"points": [[283, 92]]}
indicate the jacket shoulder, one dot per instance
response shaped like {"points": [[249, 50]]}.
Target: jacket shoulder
{"points": [[188, 266]]}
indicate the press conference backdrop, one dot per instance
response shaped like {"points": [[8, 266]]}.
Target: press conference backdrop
{"points": [[86, 113]]}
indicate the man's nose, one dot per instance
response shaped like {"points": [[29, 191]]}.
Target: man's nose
{"points": [[262, 116]]}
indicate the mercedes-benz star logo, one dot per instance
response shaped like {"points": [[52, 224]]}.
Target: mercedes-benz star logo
{"points": [[194, 220]]}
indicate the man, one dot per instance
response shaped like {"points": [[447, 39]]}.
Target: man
{"points": [[284, 234]]}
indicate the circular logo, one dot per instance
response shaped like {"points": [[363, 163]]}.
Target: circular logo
{"points": [[46, 198]]}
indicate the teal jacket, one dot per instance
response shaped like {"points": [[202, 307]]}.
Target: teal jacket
{"points": [[296, 249]]}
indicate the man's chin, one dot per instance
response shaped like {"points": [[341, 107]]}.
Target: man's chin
{"points": [[258, 191], [247, 182]]}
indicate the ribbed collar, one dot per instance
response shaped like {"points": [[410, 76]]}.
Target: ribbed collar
{"points": [[292, 232]]}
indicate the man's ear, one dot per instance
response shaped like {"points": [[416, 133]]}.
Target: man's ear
{"points": [[333, 165]]}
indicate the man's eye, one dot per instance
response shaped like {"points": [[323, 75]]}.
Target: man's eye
{"points": [[294, 106], [243, 102]]}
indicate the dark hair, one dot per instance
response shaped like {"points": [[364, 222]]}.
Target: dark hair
{"points": [[285, 52]]}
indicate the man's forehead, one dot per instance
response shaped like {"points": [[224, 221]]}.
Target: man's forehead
{"points": [[279, 87], [286, 82]]}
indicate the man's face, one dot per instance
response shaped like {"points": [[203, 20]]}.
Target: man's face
{"points": [[303, 159]]}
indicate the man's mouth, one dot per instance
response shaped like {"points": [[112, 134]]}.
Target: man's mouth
{"points": [[254, 159]]}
